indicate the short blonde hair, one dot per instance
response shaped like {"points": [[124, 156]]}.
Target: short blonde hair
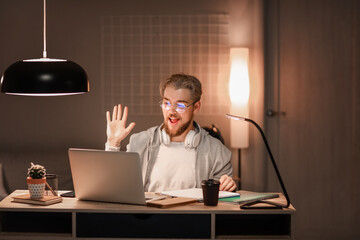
{"points": [[181, 80]]}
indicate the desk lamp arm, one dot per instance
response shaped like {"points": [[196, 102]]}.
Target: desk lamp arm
{"points": [[270, 154]]}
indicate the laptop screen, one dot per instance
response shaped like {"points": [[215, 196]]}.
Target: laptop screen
{"points": [[107, 176]]}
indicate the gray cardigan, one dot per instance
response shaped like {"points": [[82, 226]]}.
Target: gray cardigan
{"points": [[212, 157]]}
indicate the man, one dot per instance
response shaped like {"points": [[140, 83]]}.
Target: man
{"points": [[178, 154]]}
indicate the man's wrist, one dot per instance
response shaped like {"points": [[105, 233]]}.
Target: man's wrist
{"points": [[113, 142], [110, 147]]}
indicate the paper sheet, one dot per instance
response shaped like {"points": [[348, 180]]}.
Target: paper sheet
{"points": [[196, 193]]}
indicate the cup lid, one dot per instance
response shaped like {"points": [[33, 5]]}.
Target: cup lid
{"points": [[210, 182]]}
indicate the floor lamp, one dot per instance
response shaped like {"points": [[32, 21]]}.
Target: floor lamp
{"points": [[239, 91]]}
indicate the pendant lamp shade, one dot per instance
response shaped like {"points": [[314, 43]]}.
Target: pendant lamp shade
{"points": [[41, 77], [44, 77]]}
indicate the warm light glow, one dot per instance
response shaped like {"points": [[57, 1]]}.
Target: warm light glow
{"points": [[239, 87], [44, 94], [235, 117], [239, 91], [45, 60]]}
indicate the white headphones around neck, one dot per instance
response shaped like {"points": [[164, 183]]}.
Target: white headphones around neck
{"points": [[192, 139]]}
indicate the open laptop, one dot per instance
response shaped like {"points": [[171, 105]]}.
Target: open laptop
{"points": [[107, 176]]}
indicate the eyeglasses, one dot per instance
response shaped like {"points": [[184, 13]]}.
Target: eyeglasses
{"points": [[179, 107]]}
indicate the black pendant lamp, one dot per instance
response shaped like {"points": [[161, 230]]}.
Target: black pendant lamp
{"points": [[44, 76]]}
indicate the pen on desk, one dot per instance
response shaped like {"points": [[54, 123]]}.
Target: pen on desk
{"points": [[165, 195], [156, 198]]}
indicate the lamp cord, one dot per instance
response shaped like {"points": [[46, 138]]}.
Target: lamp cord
{"points": [[44, 52]]}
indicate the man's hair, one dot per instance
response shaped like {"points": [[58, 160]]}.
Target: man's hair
{"points": [[181, 80]]}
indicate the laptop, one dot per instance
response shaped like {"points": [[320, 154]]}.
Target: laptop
{"points": [[107, 176]]}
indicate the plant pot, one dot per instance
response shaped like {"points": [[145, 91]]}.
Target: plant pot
{"points": [[36, 187]]}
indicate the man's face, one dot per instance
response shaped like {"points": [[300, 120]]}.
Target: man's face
{"points": [[177, 124]]}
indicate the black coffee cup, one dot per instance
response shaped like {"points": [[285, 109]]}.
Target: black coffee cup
{"points": [[210, 189]]}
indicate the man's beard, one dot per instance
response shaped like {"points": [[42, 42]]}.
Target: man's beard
{"points": [[180, 131]]}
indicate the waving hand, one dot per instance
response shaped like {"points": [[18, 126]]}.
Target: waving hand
{"points": [[116, 129]]}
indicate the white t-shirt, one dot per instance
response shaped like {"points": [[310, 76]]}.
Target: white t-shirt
{"points": [[174, 168]]}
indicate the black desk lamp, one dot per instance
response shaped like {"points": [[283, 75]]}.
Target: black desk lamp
{"points": [[275, 205]]}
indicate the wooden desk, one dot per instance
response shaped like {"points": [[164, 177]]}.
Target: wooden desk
{"points": [[95, 220]]}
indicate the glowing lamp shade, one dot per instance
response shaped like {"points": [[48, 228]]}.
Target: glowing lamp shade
{"points": [[239, 91], [239, 86]]}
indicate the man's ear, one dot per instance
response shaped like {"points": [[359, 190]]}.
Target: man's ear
{"points": [[197, 106]]}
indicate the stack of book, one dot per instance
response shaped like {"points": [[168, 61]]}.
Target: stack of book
{"points": [[46, 200]]}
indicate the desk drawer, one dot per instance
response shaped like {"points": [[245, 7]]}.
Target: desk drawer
{"points": [[106, 225], [266, 225], [36, 223]]}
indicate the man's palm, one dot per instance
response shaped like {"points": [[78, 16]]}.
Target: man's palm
{"points": [[116, 129]]}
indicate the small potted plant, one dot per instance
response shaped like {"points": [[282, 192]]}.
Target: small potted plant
{"points": [[36, 181]]}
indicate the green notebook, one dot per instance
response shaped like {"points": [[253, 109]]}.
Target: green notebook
{"points": [[248, 197]]}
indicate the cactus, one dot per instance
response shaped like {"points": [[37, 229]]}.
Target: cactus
{"points": [[36, 171]]}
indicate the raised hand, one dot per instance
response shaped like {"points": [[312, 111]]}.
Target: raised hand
{"points": [[116, 129], [227, 183]]}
